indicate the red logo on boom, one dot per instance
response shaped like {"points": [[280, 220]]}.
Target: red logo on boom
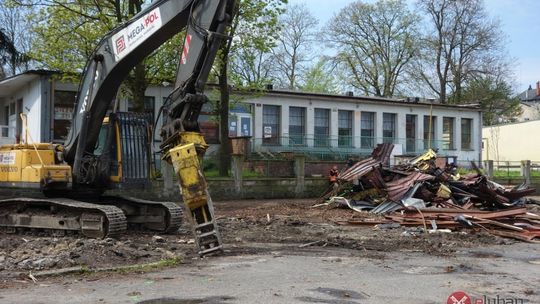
{"points": [[459, 297], [186, 49], [120, 45]]}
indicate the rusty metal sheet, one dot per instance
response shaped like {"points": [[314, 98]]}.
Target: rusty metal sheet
{"points": [[476, 213], [397, 189], [527, 236], [375, 179], [359, 169], [382, 152]]}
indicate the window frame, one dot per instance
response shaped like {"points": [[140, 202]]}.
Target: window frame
{"points": [[321, 139], [345, 128]]}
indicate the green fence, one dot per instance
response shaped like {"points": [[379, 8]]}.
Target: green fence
{"points": [[341, 147]]}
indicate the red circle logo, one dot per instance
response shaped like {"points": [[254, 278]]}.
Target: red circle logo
{"points": [[459, 297]]}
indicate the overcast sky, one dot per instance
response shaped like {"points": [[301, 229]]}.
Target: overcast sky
{"points": [[519, 20]]}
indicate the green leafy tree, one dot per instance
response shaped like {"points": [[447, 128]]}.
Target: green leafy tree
{"points": [[251, 66], [67, 32], [495, 98], [320, 78], [252, 19]]}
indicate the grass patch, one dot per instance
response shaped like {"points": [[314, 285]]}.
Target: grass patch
{"points": [[164, 263], [247, 174], [85, 270], [500, 173]]}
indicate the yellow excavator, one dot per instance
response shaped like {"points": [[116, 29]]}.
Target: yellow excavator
{"points": [[105, 152]]}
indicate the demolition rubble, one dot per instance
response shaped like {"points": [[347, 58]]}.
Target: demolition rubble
{"points": [[427, 193]]}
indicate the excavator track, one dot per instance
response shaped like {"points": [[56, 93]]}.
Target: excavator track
{"points": [[62, 215], [157, 216]]}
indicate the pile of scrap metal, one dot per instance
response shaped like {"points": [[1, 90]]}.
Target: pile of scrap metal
{"points": [[420, 193]]}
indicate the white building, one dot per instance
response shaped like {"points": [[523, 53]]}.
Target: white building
{"points": [[512, 142], [354, 125], [277, 121]]}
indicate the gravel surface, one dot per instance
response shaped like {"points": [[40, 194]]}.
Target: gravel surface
{"points": [[244, 225]]}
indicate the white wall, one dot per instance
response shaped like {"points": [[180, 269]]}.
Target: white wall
{"points": [[512, 142], [358, 106], [30, 93], [32, 108], [31, 97]]}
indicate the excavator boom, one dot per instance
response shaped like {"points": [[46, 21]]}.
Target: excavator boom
{"points": [[89, 157]]}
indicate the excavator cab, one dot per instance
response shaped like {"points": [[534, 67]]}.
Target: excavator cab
{"points": [[123, 148]]}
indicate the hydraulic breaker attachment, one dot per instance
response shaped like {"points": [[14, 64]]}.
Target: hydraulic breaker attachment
{"points": [[185, 158]]}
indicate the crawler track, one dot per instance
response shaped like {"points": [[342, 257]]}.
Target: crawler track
{"points": [[64, 215], [145, 214], [107, 216]]}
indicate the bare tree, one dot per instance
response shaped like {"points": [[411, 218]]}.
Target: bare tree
{"points": [[461, 44], [251, 67], [294, 44], [375, 42], [16, 37], [251, 63]]}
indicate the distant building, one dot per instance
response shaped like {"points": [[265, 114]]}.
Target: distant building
{"points": [[531, 95], [530, 103], [335, 126], [512, 142]]}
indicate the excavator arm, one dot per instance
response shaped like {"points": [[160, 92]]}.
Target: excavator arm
{"points": [[119, 154], [205, 22], [123, 48]]}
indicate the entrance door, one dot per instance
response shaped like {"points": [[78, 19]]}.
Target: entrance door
{"points": [[245, 126], [12, 119]]}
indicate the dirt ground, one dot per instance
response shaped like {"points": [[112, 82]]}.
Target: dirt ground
{"points": [[245, 227]]}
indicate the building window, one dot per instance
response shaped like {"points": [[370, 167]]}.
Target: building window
{"points": [[322, 127], [389, 127], [271, 124], [367, 130], [410, 133], [297, 125], [448, 133], [429, 137], [466, 134], [345, 128], [63, 113]]}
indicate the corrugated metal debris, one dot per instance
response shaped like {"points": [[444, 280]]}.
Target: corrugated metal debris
{"points": [[419, 193]]}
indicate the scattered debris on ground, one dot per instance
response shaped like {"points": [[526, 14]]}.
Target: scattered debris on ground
{"points": [[429, 194], [30, 252], [247, 227]]}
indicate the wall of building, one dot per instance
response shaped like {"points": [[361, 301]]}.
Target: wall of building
{"points": [[31, 106], [512, 142], [39, 124], [357, 106], [529, 111]]}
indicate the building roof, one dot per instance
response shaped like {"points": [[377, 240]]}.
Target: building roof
{"points": [[532, 121], [10, 85], [529, 95], [369, 99]]}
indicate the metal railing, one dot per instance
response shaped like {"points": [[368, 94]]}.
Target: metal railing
{"points": [[340, 146], [514, 169]]}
